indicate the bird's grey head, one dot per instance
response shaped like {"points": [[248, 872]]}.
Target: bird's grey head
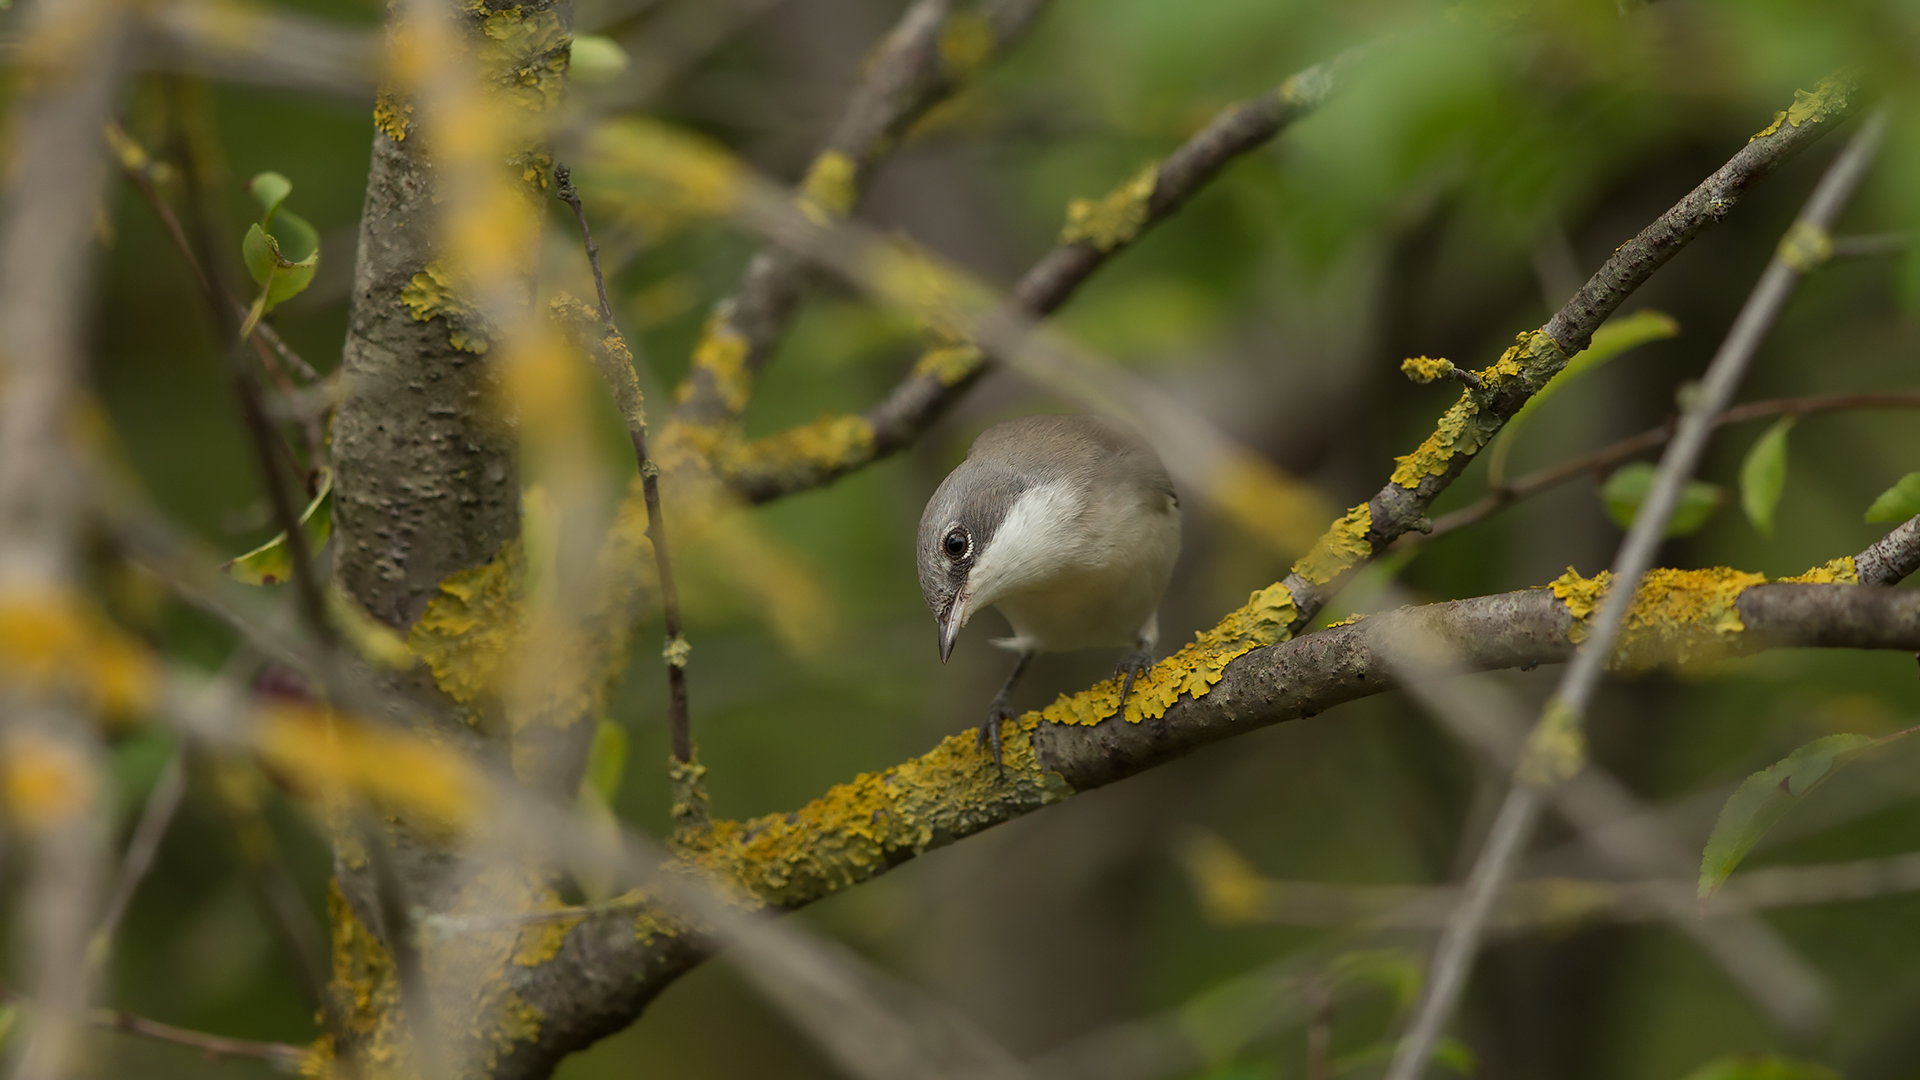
{"points": [[955, 531]]}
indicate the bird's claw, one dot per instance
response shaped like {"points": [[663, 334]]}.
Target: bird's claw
{"points": [[1131, 667], [990, 733]]}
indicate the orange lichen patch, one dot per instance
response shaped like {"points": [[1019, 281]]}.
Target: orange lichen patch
{"points": [[831, 443], [56, 643], [1115, 219], [468, 631], [44, 782], [1468, 425], [1270, 505], [1677, 617], [1264, 620], [1339, 549], [948, 364], [850, 834], [1838, 571], [334, 755], [1425, 369], [722, 354]]}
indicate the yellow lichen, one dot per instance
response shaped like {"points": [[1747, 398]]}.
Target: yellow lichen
{"points": [[44, 782], [1348, 621], [1232, 892], [1468, 425], [1677, 616], [948, 364], [1556, 747], [399, 771], [1264, 620], [722, 355], [524, 55], [1425, 369], [1108, 222], [831, 443], [1805, 246], [56, 643], [1829, 96], [392, 115], [541, 941], [828, 191], [432, 292], [692, 177], [966, 44], [1339, 549], [1840, 571], [365, 992], [468, 631]]}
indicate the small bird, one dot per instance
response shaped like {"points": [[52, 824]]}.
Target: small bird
{"points": [[1070, 526]]}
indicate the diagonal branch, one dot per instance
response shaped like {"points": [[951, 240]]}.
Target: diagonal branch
{"points": [[816, 454], [931, 53]]}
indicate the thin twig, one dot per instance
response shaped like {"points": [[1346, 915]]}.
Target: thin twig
{"points": [[1602, 460], [1867, 245], [155, 817], [765, 470], [1557, 733], [616, 363], [283, 1056]]}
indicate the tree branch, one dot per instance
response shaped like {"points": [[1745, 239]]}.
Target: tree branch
{"points": [[931, 53], [812, 455]]}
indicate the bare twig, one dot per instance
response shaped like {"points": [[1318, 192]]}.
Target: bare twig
{"points": [[909, 73], [283, 1056], [1601, 461], [155, 817], [770, 468], [1555, 751], [616, 363]]}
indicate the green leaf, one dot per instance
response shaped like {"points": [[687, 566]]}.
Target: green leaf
{"points": [[1614, 337], [271, 563], [1899, 502], [596, 58], [1763, 475], [279, 278], [1761, 1067], [271, 189], [1765, 798], [607, 760], [1629, 485]]}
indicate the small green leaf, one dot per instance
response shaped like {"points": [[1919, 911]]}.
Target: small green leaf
{"points": [[1761, 1067], [1765, 798], [271, 189], [596, 58], [297, 239], [271, 563], [607, 759], [1629, 485], [1763, 475], [1899, 502], [257, 249]]}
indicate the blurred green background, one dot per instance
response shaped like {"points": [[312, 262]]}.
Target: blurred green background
{"points": [[1484, 158]]}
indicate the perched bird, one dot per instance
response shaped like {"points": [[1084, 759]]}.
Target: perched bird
{"points": [[1067, 524]]}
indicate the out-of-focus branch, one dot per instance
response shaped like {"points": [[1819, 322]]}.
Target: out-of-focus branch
{"points": [[809, 456], [1401, 506], [1556, 751], [1233, 894], [261, 47], [1601, 461], [282, 1056], [932, 52], [70, 71]]}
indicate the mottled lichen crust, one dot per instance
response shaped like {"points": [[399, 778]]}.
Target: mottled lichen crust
{"points": [[1519, 374], [1425, 369], [1115, 218], [1678, 616], [1192, 672]]}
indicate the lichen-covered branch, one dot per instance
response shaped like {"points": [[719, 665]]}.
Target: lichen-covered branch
{"points": [[818, 453], [932, 52], [1237, 678], [1401, 506]]}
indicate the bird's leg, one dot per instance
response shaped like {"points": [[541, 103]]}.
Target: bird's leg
{"points": [[1000, 710], [1136, 662]]}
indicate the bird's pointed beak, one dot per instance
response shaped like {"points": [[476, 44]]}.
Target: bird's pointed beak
{"points": [[950, 626]]}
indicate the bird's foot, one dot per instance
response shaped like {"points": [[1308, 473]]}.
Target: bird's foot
{"points": [[1140, 660], [998, 713]]}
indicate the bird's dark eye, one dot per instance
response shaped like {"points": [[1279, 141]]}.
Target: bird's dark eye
{"points": [[956, 545]]}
